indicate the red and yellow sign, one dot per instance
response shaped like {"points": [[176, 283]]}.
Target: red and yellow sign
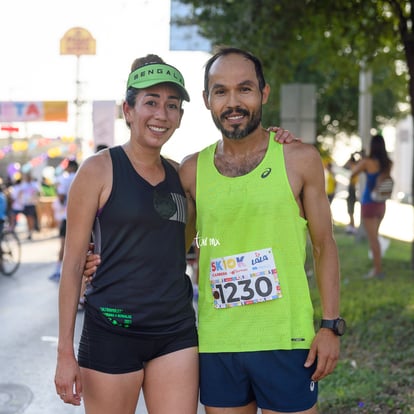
{"points": [[34, 111], [77, 41]]}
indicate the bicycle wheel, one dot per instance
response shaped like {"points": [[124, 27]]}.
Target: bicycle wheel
{"points": [[10, 253]]}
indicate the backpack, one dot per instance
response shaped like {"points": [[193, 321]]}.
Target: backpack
{"points": [[383, 188]]}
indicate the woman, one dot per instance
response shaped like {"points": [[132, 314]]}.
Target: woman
{"points": [[139, 328], [373, 212]]}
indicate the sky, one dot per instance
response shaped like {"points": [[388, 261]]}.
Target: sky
{"points": [[32, 69]]}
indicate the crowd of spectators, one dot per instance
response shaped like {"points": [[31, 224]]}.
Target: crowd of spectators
{"points": [[31, 204]]}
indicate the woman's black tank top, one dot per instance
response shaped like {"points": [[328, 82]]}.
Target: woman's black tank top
{"points": [[141, 286]]}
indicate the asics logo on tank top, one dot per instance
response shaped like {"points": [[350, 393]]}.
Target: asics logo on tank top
{"points": [[266, 172], [170, 206]]}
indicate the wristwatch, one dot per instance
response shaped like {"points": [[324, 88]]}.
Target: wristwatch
{"points": [[338, 325]]}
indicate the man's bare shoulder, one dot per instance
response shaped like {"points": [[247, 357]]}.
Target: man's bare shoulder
{"points": [[303, 164], [301, 152]]}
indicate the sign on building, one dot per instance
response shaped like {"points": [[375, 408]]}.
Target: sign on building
{"points": [[77, 41], [298, 110]]}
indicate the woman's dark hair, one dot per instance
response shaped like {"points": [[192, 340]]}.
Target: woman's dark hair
{"points": [[379, 152], [131, 92], [224, 51]]}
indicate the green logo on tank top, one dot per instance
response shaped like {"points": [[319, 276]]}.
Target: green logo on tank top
{"points": [[117, 317]]}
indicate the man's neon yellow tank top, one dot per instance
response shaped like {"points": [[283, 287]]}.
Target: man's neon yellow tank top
{"points": [[252, 243]]}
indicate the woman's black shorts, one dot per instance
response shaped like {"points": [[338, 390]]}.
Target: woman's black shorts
{"points": [[104, 350]]}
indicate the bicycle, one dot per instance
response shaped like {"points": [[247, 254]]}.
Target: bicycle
{"points": [[10, 252]]}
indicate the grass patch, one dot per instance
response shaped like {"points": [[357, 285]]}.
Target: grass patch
{"points": [[376, 370]]}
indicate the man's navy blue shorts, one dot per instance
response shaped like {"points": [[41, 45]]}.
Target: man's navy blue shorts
{"points": [[276, 380], [104, 350]]}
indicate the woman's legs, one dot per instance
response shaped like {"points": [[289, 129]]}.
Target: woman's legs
{"points": [[372, 225], [111, 393], [171, 383]]}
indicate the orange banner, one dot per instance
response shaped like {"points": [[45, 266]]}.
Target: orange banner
{"points": [[55, 111]]}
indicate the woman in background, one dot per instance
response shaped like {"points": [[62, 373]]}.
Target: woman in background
{"points": [[372, 212]]}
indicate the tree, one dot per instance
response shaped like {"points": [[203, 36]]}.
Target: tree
{"points": [[304, 41], [325, 43]]}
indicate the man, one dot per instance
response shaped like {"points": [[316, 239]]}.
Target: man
{"points": [[254, 199], [251, 201]]}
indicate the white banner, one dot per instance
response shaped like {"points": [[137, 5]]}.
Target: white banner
{"points": [[103, 116]]}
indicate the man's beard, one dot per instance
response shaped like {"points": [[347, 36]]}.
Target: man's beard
{"points": [[237, 132]]}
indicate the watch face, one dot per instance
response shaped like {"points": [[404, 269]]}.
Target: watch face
{"points": [[340, 326]]}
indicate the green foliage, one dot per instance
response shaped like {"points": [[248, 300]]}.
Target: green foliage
{"points": [[313, 41], [375, 373]]}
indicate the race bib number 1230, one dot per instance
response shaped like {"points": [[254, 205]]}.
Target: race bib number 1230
{"points": [[244, 279]]}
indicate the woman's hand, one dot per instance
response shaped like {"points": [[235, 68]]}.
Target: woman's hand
{"points": [[68, 380], [283, 136]]}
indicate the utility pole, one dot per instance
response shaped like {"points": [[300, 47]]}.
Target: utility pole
{"points": [[365, 106], [365, 124], [78, 41]]}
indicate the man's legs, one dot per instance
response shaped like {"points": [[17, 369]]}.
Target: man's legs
{"points": [[252, 409], [240, 383], [247, 409]]}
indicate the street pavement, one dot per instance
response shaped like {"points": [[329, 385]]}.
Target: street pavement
{"points": [[29, 325], [29, 329]]}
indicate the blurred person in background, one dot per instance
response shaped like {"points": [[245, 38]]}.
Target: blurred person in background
{"points": [[352, 192], [16, 203], [3, 205], [330, 182], [45, 205], [28, 194], [372, 212], [62, 190]]}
